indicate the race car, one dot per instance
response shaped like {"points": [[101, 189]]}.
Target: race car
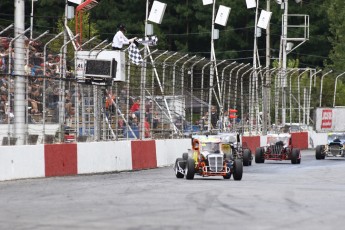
{"points": [[209, 156], [334, 147], [236, 149], [279, 148]]}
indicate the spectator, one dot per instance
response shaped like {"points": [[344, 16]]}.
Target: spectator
{"points": [[109, 102], [155, 120], [214, 117], [147, 129], [148, 110], [135, 109]]}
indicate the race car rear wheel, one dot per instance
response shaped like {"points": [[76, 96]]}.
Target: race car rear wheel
{"points": [[259, 155], [238, 169], [247, 157], [295, 156], [318, 152], [179, 161], [190, 169]]}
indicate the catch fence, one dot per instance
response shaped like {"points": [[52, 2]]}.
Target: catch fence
{"points": [[169, 95]]}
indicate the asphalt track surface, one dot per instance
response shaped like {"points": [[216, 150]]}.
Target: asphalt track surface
{"points": [[273, 195]]}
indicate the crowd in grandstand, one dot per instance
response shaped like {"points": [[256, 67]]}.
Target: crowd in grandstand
{"points": [[33, 69]]}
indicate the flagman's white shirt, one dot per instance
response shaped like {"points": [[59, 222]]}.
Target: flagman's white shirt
{"points": [[119, 40]]}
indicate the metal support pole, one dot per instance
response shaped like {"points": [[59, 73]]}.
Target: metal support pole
{"points": [[87, 42], [256, 100], [290, 101], [62, 88], [154, 70], [265, 99], [94, 48], [335, 87], [309, 96], [237, 73], [19, 94], [44, 82], [202, 86], [19, 81], [236, 80], [192, 89], [242, 104], [164, 67], [299, 96], [223, 84], [7, 28], [182, 89], [322, 85], [174, 74]]}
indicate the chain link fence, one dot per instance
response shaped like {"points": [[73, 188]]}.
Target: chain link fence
{"points": [[169, 95]]}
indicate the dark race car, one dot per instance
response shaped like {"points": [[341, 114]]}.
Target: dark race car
{"points": [[334, 147], [231, 143], [279, 148]]}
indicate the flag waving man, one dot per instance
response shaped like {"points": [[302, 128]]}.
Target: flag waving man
{"points": [[120, 39]]}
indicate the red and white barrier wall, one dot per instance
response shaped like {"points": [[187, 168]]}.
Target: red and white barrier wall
{"points": [[32, 161]]}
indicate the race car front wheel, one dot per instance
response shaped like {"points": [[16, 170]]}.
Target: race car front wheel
{"points": [[259, 155], [238, 169], [190, 169], [319, 153], [295, 156], [179, 164]]}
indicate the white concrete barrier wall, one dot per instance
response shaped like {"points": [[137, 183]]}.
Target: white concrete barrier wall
{"points": [[316, 139], [263, 141], [96, 157], [19, 162], [168, 150]]}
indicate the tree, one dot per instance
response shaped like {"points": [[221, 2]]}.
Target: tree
{"points": [[336, 15]]}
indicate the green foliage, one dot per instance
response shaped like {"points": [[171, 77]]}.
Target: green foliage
{"points": [[186, 27], [336, 15]]}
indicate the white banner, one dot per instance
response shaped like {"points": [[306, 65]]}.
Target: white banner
{"points": [[330, 119], [222, 15], [264, 19], [207, 2], [251, 3], [157, 12]]}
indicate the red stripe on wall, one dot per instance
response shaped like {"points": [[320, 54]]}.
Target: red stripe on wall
{"points": [[60, 159], [144, 154], [300, 140], [251, 142]]}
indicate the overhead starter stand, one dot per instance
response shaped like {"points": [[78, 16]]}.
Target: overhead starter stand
{"points": [[83, 7]]}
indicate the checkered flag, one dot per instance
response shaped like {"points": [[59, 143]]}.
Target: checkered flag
{"points": [[151, 41], [134, 54]]}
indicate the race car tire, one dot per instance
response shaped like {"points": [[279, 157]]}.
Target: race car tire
{"points": [[318, 152], [227, 176], [295, 156], [182, 165], [190, 169], [184, 156], [259, 155], [238, 169], [247, 157]]}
